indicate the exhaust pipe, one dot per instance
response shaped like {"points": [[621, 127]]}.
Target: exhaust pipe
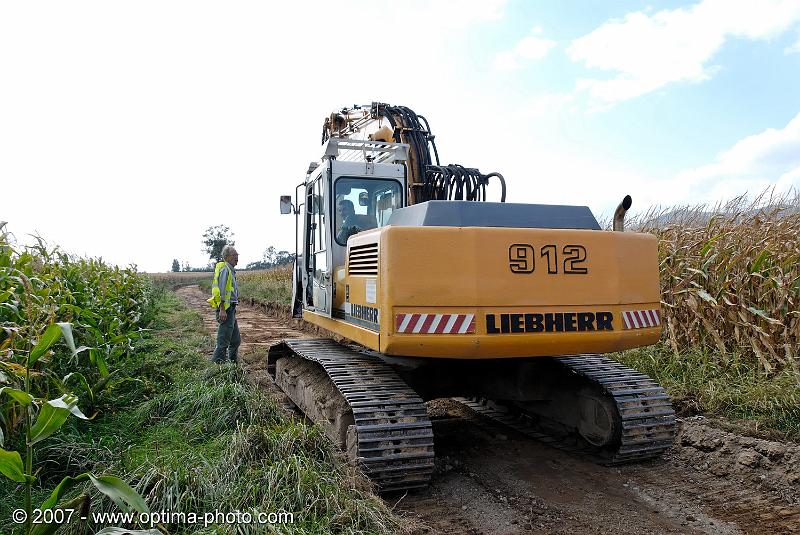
{"points": [[619, 213]]}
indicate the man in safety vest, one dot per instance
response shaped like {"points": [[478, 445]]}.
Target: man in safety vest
{"points": [[224, 296]]}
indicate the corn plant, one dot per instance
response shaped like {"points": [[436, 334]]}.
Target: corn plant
{"points": [[273, 284], [37, 288], [730, 278]]}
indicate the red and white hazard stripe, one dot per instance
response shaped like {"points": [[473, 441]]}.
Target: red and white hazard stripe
{"points": [[640, 319], [435, 323]]}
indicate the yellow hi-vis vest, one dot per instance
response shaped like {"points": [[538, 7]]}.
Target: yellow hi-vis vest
{"points": [[216, 298]]}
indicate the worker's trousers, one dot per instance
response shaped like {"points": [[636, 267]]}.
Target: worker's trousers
{"points": [[228, 337]]}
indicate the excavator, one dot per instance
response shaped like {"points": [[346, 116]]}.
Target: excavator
{"points": [[431, 290]]}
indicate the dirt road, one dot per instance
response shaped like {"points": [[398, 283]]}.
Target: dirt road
{"points": [[490, 479]]}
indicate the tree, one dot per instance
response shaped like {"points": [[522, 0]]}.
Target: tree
{"points": [[283, 257], [176, 266], [214, 239], [271, 259], [269, 255]]}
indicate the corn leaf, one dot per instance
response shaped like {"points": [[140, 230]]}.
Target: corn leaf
{"points": [[49, 421], [120, 493], [113, 487], [709, 244], [705, 296], [759, 261], [70, 403], [63, 486], [11, 466], [762, 314], [20, 396], [82, 380], [97, 358], [66, 331], [50, 337], [52, 416]]}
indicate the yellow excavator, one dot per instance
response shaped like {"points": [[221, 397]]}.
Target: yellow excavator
{"points": [[430, 290]]}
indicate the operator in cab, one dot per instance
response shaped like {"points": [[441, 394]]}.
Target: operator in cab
{"points": [[348, 221]]}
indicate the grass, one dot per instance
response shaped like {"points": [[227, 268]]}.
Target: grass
{"points": [[704, 381], [190, 435]]}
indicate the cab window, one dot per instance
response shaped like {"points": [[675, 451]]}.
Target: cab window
{"points": [[363, 204]]}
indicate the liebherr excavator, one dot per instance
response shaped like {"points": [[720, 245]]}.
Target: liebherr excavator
{"points": [[438, 292]]}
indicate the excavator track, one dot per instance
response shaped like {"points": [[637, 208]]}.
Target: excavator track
{"points": [[393, 433], [647, 420]]}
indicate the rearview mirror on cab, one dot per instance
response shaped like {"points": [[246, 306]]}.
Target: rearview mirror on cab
{"points": [[286, 204], [363, 199]]}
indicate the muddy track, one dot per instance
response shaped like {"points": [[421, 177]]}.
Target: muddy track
{"points": [[490, 479]]}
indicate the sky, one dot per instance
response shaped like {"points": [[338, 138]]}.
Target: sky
{"points": [[128, 128]]}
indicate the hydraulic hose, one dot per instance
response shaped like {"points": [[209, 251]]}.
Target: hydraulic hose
{"points": [[457, 183], [427, 178]]}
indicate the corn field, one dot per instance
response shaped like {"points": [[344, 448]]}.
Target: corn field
{"points": [[730, 280], [64, 323], [39, 286]]}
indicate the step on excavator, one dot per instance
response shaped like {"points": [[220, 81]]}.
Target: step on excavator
{"points": [[430, 290]]}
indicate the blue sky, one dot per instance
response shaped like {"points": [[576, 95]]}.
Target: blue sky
{"points": [[121, 123], [753, 84]]}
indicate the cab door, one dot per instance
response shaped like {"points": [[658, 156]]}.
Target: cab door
{"points": [[318, 240]]}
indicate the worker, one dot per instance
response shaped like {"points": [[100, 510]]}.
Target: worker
{"points": [[224, 297], [348, 224]]}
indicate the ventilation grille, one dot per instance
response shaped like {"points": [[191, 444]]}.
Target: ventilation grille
{"points": [[363, 260]]}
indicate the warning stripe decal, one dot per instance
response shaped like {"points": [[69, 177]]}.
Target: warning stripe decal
{"points": [[435, 323], [641, 319]]}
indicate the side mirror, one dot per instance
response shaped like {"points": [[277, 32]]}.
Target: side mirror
{"points": [[363, 199], [286, 204]]}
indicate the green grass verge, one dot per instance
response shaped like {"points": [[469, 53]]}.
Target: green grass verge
{"points": [[723, 385], [192, 436]]}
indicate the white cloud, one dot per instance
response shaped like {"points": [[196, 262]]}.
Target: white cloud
{"points": [[506, 61], [447, 13], [529, 48], [546, 103], [752, 164], [794, 49], [648, 51]]}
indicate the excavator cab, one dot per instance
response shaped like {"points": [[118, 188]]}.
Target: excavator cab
{"points": [[342, 198]]}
